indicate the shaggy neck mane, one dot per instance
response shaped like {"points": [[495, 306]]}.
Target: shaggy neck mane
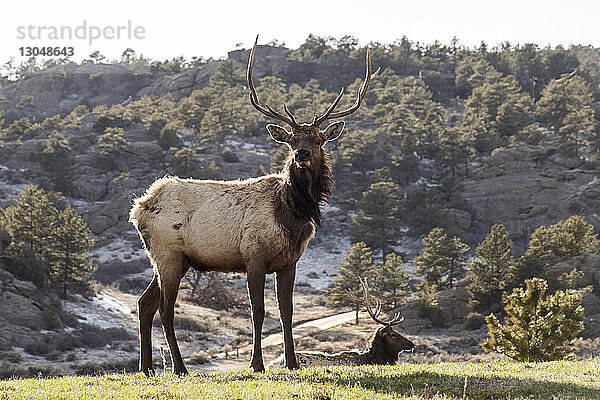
{"points": [[304, 189]]}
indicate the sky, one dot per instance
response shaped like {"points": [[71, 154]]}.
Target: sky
{"points": [[166, 29]]}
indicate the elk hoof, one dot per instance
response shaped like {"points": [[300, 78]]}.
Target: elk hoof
{"points": [[182, 372], [148, 372]]}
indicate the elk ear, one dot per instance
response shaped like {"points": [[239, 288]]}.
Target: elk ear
{"points": [[332, 132], [279, 134]]}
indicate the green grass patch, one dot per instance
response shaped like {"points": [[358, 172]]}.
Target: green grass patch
{"points": [[493, 380]]}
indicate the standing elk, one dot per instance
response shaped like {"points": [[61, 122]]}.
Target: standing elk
{"points": [[385, 348], [256, 226]]}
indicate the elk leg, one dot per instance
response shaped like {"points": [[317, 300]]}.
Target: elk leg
{"points": [[285, 287], [256, 292], [147, 306], [166, 308]]}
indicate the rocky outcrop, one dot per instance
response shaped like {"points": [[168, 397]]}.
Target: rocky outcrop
{"points": [[22, 316], [101, 216], [269, 60], [181, 85], [59, 89], [591, 305], [4, 240], [527, 187]]}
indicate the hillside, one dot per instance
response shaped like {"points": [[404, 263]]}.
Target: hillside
{"points": [[461, 132]]}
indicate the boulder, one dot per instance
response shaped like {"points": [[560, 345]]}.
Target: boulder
{"points": [[101, 216], [566, 162], [91, 187], [589, 264], [454, 303], [414, 322], [21, 319], [203, 76], [5, 240], [144, 150], [31, 148], [99, 223], [591, 305], [474, 321]]}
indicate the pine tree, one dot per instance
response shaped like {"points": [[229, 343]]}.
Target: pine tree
{"points": [[442, 260], [405, 110], [191, 109], [186, 163], [168, 136], [563, 240], [566, 107], [28, 223], [56, 158], [112, 141], [110, 145], [539, 327], [491, 272], [50, 242], [70, 261], [229, 72], [357, 152], [358, 265], [496, 111], [390, 281], [425, 208], [377, 222], [429, 305], [455, 148]]}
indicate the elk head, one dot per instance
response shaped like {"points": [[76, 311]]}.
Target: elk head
{"points": [[394, 342], [306, 140]]}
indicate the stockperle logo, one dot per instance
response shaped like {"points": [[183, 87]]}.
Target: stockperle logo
{"points": [[83, 31]]}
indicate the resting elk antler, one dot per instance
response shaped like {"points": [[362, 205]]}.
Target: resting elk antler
{"points": [[366, 301], [385, 348]]}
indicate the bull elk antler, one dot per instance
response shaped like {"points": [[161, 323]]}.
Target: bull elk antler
{"points": [[268, 111], [318, 120], [366, 301], [329, 114]]}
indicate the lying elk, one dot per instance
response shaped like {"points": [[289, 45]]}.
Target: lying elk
{"points": [[386, 346], [257, 226]]}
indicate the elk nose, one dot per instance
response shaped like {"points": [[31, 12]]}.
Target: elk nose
{"points": [[302, 155]]}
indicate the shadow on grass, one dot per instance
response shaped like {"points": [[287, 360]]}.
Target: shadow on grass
{"points": [[430, 384]]}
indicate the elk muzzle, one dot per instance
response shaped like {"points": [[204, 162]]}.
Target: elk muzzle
{"points": [[302, 158]]}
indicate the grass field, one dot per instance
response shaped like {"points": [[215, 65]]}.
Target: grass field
{"points": [[494, 380]]}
